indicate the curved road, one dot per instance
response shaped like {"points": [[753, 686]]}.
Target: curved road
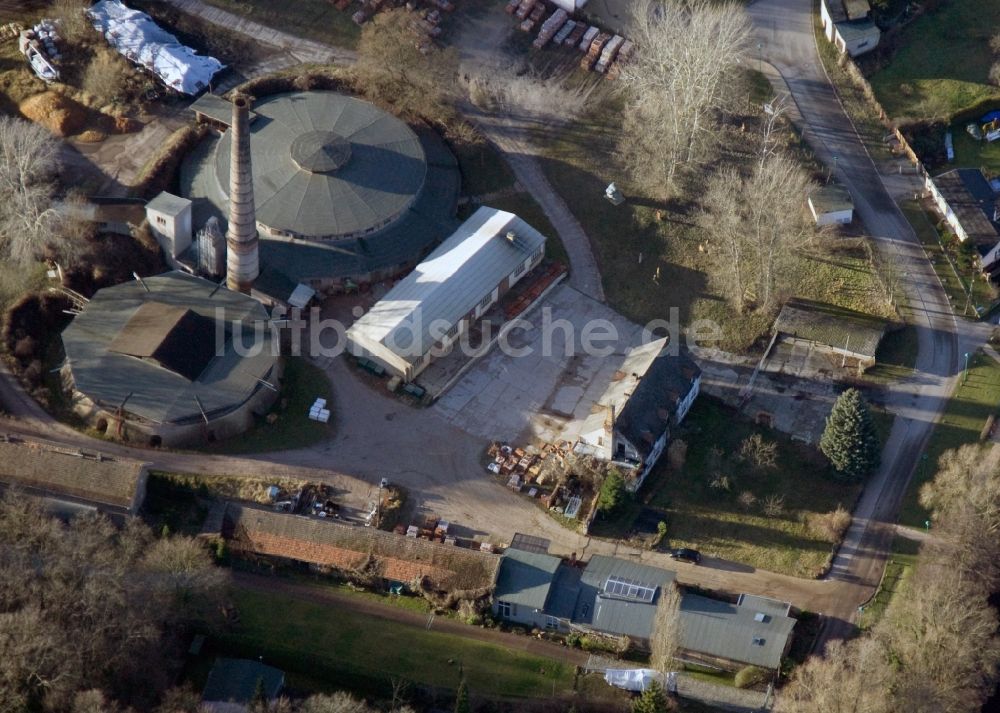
{"points": [[376, 435], [785, 29]]}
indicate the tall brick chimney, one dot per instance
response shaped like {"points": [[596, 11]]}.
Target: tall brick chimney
{"points": [[242, 263]]}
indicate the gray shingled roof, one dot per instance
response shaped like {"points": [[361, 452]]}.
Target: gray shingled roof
{"points": [[65, 471], [831, 326], [730, 631], [155, 393], [525, 578], [972, 200], [382, 175], [448, 283]]}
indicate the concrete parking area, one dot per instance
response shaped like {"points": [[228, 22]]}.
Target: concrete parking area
{"points": [[540, 383]]}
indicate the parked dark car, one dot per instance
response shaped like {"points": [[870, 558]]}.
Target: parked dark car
{"points": [[685, 554]]}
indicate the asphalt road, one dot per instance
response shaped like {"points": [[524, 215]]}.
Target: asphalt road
{"points": [[377, 436], [785, 37]]}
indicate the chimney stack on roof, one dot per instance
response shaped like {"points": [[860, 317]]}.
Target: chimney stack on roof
{"points": [[242, 263]]}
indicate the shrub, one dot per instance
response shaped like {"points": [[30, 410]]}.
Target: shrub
{"points": [[160, 172], [751, 676], [830, 526]]}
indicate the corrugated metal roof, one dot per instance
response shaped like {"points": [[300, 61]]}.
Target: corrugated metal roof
{"points": [[449, 283], [381, 178], [734, 632], [525, 578], [972, 200], [155, 393]]}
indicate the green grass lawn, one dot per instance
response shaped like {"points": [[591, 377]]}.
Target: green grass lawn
{"points": [[316, 20], [716, 523], [975, 399], [347, 650], [895, 573], [838, 271], [301, 384], [942, 63], [970, 153]]}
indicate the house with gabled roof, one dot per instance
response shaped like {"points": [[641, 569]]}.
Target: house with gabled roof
{"points": [[970, 207], [650, 393]]}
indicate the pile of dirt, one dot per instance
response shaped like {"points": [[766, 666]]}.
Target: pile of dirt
{"points": [[59, 114]]}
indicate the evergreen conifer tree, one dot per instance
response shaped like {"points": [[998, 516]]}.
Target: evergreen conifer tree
{"points": [[849, 439]]}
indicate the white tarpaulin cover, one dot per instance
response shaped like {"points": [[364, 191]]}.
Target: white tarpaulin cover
{"points": [[635, 679], [139, 39]]}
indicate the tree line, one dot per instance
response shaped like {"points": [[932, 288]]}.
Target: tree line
{"points": [[936, 649]]}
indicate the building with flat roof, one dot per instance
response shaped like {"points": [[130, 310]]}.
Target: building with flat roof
{"points": [[171, 359], [344, 193], [451, 288], [72, 480], [233, 684], [831, 205]]}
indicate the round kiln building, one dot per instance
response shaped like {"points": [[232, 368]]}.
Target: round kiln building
{"points": [[344, 192], [170, 360]]}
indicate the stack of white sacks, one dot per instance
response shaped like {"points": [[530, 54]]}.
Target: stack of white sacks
{"points": [[319, 411]]}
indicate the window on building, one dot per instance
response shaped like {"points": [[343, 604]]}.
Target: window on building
{"points": [[485, 302], [519, 270], [551, 622], [160, 220], [504, 610]]}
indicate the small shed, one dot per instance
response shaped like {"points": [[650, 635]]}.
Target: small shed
{"points": [[233, 683], [831, 205], [169, 218], [839, 331]]}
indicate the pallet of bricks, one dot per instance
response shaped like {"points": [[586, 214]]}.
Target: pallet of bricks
{"points": [[550, 27]]}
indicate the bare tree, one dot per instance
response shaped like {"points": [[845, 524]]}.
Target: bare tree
{"points": [[73, 24], [666, 638], [681, 75], [28, 223], [851, 677], [105, 76], [758, 222]]}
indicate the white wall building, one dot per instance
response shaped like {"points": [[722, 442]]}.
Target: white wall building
{"points": [[847, 24], [831, 205], [169, 218], [452, 288]]}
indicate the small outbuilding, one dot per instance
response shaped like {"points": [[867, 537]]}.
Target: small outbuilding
{"points": [[427, 311], [849, 26], [169, 218], [233, 683], [72, 480], [831, 205], [843, 333]]}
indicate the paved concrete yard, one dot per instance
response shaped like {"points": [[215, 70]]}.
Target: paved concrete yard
{"points": [[547, 392], [796, 387]]}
